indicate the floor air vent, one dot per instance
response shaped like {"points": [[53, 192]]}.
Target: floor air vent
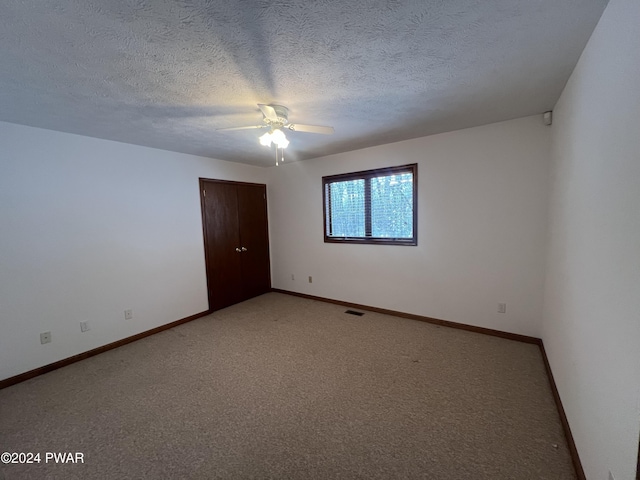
{"points": [[353, 312]]}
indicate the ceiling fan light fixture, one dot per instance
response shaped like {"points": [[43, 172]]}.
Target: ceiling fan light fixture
{"points": [[266, 139], [278, 137]]}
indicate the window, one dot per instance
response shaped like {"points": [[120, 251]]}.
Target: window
{"points": [[374, 206]]}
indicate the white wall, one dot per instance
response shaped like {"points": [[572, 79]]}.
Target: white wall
{"points": [[591, 327], [481, 229], [91, 228]]}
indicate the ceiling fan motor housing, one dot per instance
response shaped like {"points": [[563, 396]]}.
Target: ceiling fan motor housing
{"points": [[283, 116]]}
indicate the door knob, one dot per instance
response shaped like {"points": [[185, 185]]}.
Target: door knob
{"points": [[238, 249], [244, 249]]}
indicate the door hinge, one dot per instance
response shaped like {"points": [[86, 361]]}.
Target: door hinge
{"points": [[204, 193]]}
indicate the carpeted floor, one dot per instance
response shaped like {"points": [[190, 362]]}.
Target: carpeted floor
{"points": [[288, 388]]}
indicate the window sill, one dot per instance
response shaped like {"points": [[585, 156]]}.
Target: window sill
{"points": [[406, 242]]}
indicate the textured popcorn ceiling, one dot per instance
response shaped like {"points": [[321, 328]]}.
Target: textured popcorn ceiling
{"points": [[167, 73]]}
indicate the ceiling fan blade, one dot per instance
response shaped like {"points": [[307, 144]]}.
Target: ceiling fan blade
{"points": [[268, 111], [297, 127], [240, 128]]}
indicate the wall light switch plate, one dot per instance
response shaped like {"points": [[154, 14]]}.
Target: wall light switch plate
{"points": [[84, 326], [45, 337], [502, 308], [128, 314]]}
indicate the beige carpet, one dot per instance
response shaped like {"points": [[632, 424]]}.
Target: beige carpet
{"points": [[289, 388]]}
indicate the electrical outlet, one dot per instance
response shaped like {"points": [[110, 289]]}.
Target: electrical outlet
{"points": [[128, 314], [502, 308], [310, 279], [84, 326], [45, 337]]}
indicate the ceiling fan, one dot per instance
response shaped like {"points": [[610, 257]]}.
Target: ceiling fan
{"points": [[276, 118]]}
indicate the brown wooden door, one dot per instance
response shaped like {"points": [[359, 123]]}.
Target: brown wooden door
{"points": [[222, 237], [236, 241], [254, 239]]}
